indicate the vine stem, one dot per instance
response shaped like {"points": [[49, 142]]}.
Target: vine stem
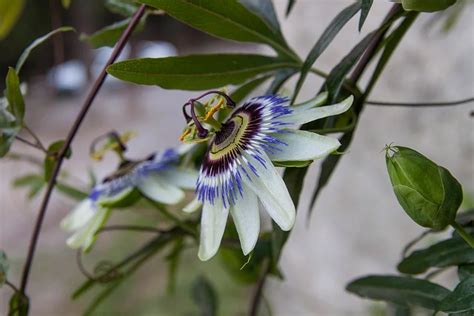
{"points": [[70, 137], [421, 104]]}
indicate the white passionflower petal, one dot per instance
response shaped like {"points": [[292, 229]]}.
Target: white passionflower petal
{"points": [[181, 177], [192, 206], [247, 220], [79, 216], [85, 236], [271, 190], [213, 221], [302, 116], [154, 187], [303, 145], [318, 100]]}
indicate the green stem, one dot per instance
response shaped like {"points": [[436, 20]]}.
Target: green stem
{"points": [[463, 233]]}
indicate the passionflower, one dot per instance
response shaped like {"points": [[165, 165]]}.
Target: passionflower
{"points": [[237, 172], [157, 177]]}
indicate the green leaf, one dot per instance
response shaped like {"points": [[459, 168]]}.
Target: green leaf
{"points": [[465, 271], [453, 251], [204, 296], [229, 20], [10, 11], [292, 164], [461, 299], [173, 259], [33, 182], [427, 6], [36, 43], [323, 42], [19, 305], [404, 291], [71, 191], [4, 266], [279, 80], [49, 161], [364, 12], [289, 7], [123, 7], [109, 35], [265, 10], [16, 103], [7, 136], [66, 3], [195, 72], [244, 90]]}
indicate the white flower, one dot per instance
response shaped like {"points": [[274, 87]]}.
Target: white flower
{"points": [[158, 178], [237, 171]]}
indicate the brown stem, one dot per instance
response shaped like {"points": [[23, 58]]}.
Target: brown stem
{"points": [[258, 292], [72, 133], [27, 142], [35, 137]]}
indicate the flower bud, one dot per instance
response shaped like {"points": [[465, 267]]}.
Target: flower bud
{"points": [[428, 193]]}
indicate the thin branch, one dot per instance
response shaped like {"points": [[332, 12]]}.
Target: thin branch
{"points": [[35, 137], [258, 292], [421, 104], [138, 228], [12, 286], [29, 143], [72, 133]]}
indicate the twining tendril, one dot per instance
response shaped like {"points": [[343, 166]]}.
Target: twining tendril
{"points": [[104, 271]]}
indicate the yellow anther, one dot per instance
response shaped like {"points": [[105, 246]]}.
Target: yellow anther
{"points": [[186, 133], [214, 109]]}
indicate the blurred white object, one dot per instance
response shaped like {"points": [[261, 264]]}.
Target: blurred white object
{"points": [[156, 49], [101, 56], [69, 77]]}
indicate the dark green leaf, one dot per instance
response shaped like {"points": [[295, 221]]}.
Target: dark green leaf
{"points": [[364, 12], [123, 7], [10, 11], [265, 10], [229, 20], [36, 43], [446, 253], [461, 299], [4, 266], [33, 182], [289, 7], [109, 35], [427, 6], [244, 90], [204, 296], [323, 42], [195, 72], [7, 136], [404, 291], [50, 159], [19, 305], [465, 271], [279, 80], [173, 261], [16, 104], [337, 75]]}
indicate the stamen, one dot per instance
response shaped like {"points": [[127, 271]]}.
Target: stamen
{"points": [[213, 110], [186, 133], [117, 145]]}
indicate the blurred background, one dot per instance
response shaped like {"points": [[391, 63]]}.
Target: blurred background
{"points": [[357, 226]]}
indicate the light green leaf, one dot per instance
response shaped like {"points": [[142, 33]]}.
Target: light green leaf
{"points": [[38, 42], [19, 305], [229, 20], [109, 35], [453, 251], [323, 42], [10, 11], [33, 182], [427, 6], [461, 299], [404, 291], [195, 72], [123, 7], [50, 159], [16, 103]]}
